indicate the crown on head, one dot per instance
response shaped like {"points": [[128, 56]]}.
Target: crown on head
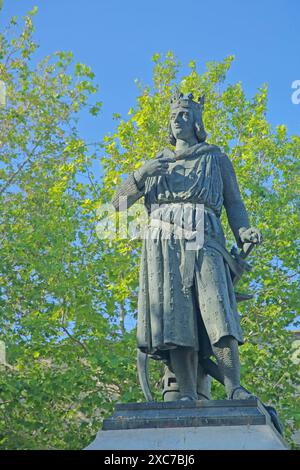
{"points": [[179, 100]]}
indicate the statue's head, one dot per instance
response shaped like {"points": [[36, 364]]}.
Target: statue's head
{"points": [[186, 118]]}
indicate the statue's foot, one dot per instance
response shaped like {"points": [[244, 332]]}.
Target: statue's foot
{"points": [[201, 396], [187, 398], [240, 393]]}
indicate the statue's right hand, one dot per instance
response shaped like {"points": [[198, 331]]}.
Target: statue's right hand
{"points": [[157, 166]]}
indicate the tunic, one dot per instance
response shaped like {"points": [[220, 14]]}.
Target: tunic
{"points": [[170, 315]]}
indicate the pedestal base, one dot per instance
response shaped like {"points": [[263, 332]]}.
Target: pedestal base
{"points": [[201, 425]]}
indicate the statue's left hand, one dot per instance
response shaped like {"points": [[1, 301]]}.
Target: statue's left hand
{"points": [[251, 235]]}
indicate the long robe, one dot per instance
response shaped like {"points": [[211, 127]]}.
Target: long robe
{"points": [[169, 314]]}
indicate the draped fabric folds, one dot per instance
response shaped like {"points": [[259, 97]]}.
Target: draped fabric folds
{"points": [[170, 315]]}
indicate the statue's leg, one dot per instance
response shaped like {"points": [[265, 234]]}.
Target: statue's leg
{"points": [[184, 363], [203, 384], [171, 389], [227, 355]]}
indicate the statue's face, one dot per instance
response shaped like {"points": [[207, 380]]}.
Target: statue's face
{"points": [[182, 124]]}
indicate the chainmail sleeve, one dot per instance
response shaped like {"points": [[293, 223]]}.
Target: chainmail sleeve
{"points": [[235, 209], [127, 194]]}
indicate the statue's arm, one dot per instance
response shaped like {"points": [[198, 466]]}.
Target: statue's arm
{"points": [[235, 209], [132, 189]]}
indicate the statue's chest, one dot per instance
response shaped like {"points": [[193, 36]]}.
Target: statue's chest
{"points": [[184, 174]]}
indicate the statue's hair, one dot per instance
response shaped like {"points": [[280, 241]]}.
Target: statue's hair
{"points": [[198, 128]]}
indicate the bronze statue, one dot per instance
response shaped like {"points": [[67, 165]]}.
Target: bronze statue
{"points": [[187, 306]]}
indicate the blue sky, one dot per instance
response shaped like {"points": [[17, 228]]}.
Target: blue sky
{"points": [[117, 39]]}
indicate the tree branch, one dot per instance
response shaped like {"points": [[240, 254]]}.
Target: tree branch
{"points": [[75, 340], [20, 168]]}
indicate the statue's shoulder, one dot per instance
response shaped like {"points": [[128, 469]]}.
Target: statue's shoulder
{"points": [[219, 156], [212, 149]]}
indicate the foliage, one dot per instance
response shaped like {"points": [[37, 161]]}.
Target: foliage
{"points": [[62, 350], [65, 293]]}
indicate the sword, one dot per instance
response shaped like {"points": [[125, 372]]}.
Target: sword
{"points": [[142, 368]]}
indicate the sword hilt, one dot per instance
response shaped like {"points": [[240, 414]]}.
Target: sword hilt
{"points": [[246, 250]]}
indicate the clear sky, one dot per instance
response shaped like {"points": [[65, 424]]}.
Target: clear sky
{"points": [[118, 37]]}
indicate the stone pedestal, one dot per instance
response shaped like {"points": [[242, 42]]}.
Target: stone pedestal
{"points": [[201, 425]]}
